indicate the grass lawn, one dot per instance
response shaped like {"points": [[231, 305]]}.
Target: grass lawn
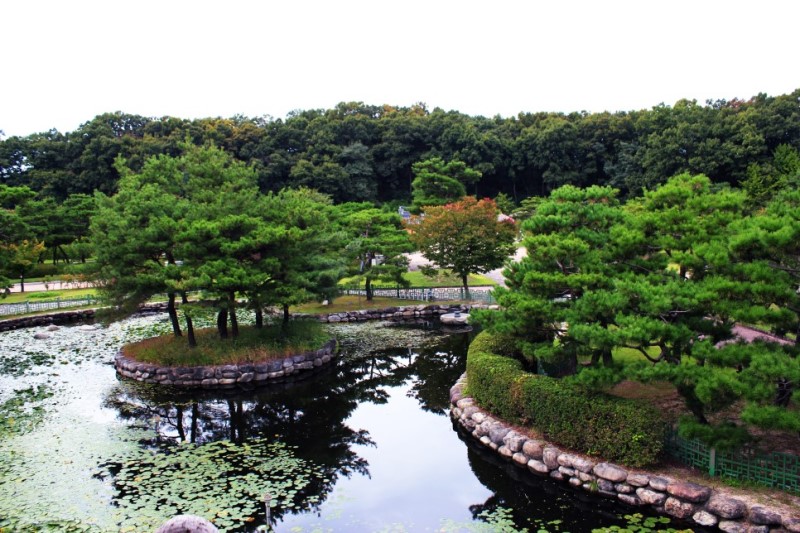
{"points": [[251, 346], [43, 296], [351, 303], [443, 279]]}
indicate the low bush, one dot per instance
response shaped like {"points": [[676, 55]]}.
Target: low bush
{"points": [[41, 270], [614, 428]]}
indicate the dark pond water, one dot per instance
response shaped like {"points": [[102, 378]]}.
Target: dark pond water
{"points": [[366, 445]]}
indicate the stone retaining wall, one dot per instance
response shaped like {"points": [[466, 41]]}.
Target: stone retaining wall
{"points": [[234, 375], [687, 501], [63, 317], [411, 312], [68, 317], [222, 376]]}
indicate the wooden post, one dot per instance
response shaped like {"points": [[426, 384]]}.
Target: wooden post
{"points": [[267, 500], [712, 462]]}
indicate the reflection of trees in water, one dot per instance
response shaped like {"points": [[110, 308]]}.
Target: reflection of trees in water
{"points": [[310, 414], [535, 501], [437, 369], [538, 501]]}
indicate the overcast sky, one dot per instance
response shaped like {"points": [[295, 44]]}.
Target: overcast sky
{"points": [[65, 62]]}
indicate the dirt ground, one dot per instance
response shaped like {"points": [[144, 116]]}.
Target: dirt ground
{"points": [[666, 399]]}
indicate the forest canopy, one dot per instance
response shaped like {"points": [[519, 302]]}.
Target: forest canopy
{"points": [[359, 152]]}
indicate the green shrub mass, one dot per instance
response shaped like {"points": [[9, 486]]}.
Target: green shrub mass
{"points": [[614, 428]]}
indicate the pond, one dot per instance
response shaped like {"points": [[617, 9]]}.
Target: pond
{"points": [[364, 445]]}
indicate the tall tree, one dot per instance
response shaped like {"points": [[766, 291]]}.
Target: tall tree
{"points": [[12, 231], [764, 182], [306, 262], [465, 237], [22, 256], [223, 237], [375, 242], [569, 261], [134, 234], [437, 182]]}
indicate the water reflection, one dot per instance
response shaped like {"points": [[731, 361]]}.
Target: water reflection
{"points": [[376, 426], [312, 414]]}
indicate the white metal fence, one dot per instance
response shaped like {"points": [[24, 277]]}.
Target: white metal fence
{"points": [[429, 294], [24, 308]]}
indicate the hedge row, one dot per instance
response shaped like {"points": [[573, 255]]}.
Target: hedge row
{"points": [[614, 428]]}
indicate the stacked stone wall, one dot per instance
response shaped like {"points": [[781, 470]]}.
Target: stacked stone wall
{"points": [[687, 501], [221, 376]]}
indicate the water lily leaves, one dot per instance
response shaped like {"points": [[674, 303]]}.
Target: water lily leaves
{"points": [[221, 481]]}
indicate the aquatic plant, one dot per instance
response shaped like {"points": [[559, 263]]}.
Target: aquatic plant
{"points": [[221, 481]]}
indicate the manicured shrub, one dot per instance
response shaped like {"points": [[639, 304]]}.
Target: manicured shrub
{"points": [[613, 428], [41, 270]]}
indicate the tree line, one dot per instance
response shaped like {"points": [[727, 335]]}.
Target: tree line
{"points": [[360, 152]]}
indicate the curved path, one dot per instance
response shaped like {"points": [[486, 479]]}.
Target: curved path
{"points": [[39, 286]]}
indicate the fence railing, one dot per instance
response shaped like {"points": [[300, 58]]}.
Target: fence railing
{"points": [[778, 470], [426, 294], [23, 308]]}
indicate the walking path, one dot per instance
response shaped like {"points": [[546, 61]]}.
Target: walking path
{"points": [[57, 285]]}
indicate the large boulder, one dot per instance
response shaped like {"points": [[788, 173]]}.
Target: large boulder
{"points": [[689, 492], [725, 507], [611, 472], [186, 523]]}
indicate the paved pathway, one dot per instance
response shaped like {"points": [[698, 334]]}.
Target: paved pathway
{"points": [[750, 334], [36, 286]]}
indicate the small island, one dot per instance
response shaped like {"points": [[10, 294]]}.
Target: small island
{"points": [[258, 355]]}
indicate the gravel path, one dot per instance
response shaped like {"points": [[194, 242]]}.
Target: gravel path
{"points": [[750, 334]]}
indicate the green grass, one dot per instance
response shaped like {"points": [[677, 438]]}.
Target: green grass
{"points": [[42, 296], [629, 355], [350, 303], [251, 346], [417, 279]]}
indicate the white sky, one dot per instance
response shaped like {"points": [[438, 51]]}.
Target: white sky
{"points": [[65, 62]]}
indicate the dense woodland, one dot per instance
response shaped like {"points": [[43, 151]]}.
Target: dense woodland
{"points": [[358, 152]]}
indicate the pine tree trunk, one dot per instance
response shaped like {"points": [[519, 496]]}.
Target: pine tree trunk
{"points": [[234, 321], [368, 287], [783, 394], [693, 402], [286, 315], [173, 314], [259, 318], [190, 332], [222, 323], [189, 323], [466, 286]]}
